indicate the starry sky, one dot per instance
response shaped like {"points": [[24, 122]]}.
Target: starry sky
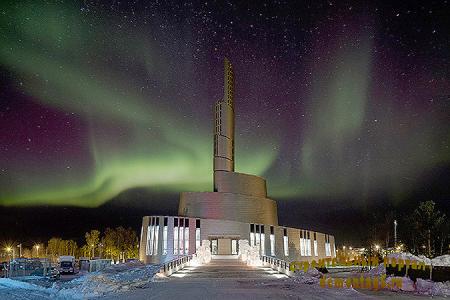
{"points": [[337, 103]]}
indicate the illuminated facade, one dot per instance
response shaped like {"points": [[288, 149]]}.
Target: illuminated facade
{"points": [[238, 208]]}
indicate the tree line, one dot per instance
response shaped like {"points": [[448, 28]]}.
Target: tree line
{"points": [[115, 243], [424, 230]]}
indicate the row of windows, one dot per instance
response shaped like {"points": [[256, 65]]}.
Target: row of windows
{"points": [[152, 236], [305, 243], [180, 236], [257, 239]]}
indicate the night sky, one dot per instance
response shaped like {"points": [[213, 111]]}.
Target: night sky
{"points": [[106, 109]]}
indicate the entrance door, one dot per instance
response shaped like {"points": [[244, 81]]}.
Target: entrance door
{"points": [[224, 247]]}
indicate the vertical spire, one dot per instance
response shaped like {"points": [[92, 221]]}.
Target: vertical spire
{"points": [[228, 96]]}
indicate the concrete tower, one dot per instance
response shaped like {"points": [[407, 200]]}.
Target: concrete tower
{"points": [[224, 125], [236, 196]]}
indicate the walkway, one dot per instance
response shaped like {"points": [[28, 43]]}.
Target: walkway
{"points": [[225, 269]]}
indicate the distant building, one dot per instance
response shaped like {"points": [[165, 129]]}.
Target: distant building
{"points": [[237, 209]]}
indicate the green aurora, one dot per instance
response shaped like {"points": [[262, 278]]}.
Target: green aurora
{"points": [[147, 120]]}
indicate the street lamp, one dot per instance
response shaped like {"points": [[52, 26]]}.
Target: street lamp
{"points": [[9, 249], [20, 249], [395, 233], [37, 250], [377, 247]]}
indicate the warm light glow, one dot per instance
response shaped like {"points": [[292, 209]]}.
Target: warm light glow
{"points": [[377, 247], [8, 249]]}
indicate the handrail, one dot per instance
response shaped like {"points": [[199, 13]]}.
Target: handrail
{"points": [[279, 265], [172, 266]]}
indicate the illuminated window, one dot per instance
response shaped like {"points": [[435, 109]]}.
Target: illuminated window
{"points": [[327, 245], [257, 238], [181, 237], [272, 241], [155, 251], [308, 243], [149, 248], [315, 245], [197, 234], [175, 236], [252, 234], [234, 247], [186, 237], [152, 234], [302, 248], [286, 243], [214, 247], [165, 236], [263, 241]]}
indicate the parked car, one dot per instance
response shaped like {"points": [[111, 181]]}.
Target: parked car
{"points": [[67, 264]]}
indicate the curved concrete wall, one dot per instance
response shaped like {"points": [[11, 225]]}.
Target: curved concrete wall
{"points": [[239, 183], [228, 206]]}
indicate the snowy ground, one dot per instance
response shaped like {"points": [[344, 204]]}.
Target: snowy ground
{"points": [[212, 281], [113, 280]]}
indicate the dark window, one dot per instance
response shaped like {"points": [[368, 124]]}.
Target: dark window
{"points": [[165, 221], [262, 228], [315, 237], [175, 222], [301, 234], [197, 223], [181, 222], [186, 223], [252, 227], [308, 235], [285, 231], [257, 228], [271, 229], [153, 220], [157, 221]]}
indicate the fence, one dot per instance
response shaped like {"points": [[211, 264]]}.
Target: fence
{"points": [[276, 264], [98, 264], [174, 265], [29, 267]]}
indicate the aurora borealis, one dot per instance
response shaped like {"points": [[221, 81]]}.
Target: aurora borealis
{"points": [[334, 100]]}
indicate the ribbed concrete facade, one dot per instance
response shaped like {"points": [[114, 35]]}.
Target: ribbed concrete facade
{"points": [[239, 183], [228, 206], [238, 208]]}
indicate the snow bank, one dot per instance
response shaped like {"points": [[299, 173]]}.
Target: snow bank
{"points": [[430, 288], [114, 279], [378, 271], [312, 276], [407, 255], [8, 283], [443, 261], [407, 284]]}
